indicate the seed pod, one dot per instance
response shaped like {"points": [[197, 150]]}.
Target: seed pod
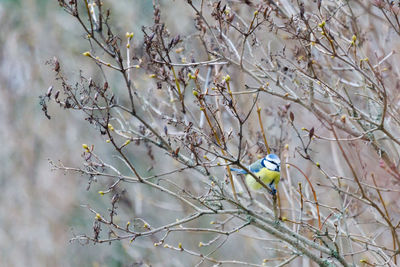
{"points": [[48, 94], [56, 65], [311, 133]]}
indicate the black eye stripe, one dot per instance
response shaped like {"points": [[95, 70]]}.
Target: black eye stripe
{"points": [[273, 162]]}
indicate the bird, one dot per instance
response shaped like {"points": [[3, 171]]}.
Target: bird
{"points": [[267, 169]]}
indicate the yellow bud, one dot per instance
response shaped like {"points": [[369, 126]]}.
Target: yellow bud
{"points": [[129, 35], [179, 50], [128, 45], [284, 219], [101, 193], [322, 24], [227, 78], [156, 244], [322, 33], [110, 127], [212, 183], [318, 165], [265, 260], [195, 93], [363, 261], [200, 244], [97, 58], [183, 60], [180, 245], [127, 142], [312, 43], [354, 38], [212, 222], [86, 54], [303, 129], [108, 141], [287, 146], [128, 223], [255, 13], [85, 146], [98, 216], [152, 76], [89, 36], [343, 118], [108, 64], [146, 225], [165, 246]]}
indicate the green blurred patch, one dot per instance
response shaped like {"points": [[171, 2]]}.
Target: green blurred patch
{"points": [[118, 257], [17, 5], [11, 2]]}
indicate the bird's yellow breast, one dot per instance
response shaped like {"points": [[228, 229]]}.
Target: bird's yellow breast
{"points": [[266, 176]]}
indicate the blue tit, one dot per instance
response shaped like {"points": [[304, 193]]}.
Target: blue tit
{"points": [[267, 169]]}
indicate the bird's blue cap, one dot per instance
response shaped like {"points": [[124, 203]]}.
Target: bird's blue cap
{"points": [[272, 157]]}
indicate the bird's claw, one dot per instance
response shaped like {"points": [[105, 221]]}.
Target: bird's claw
{"points": [[273, 191], [272, 187]]}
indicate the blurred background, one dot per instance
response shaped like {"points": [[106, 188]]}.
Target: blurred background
{"points": [[41, 209]]}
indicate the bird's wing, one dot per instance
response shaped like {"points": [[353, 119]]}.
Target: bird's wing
{"points": [[256, 166], [238, 170]]}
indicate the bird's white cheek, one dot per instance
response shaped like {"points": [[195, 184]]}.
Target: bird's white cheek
{"points": [[269, 165]]}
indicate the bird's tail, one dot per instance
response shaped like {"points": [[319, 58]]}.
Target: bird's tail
{"points": [[239, 170]]}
